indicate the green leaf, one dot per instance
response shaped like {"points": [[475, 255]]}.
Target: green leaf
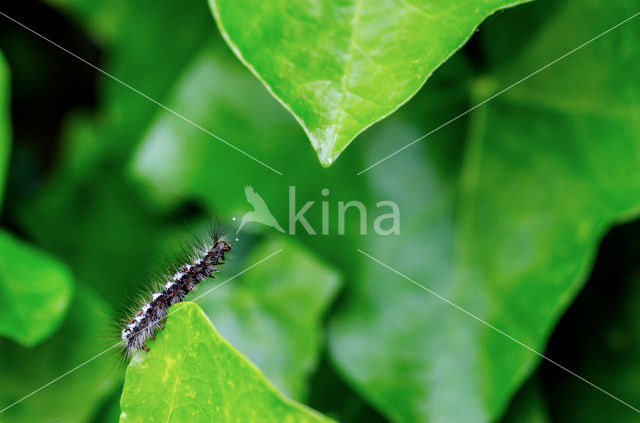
{"points": [[339, 67], [192, 374], [509, 232], [36, 290], [5, 131], [273, 315], [75, 397]]}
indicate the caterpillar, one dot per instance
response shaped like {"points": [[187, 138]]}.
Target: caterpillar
{"points": [[141, 323]]}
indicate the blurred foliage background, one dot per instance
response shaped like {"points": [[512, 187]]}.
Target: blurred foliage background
{"points": [[503, 212]]}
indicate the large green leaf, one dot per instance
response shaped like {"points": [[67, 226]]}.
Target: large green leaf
{"points": [[508, 236], [4, 124], [36, 290], [341, 66], [75, 397], [273, 315], [192, 374]]}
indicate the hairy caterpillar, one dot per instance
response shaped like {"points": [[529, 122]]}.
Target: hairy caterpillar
{"points": [[142, 322]]}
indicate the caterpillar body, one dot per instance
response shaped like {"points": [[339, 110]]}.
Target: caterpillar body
{"points": [[143, 321]]}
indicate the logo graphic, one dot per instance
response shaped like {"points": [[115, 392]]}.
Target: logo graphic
{"points": [[260, 213], [384, 224]]}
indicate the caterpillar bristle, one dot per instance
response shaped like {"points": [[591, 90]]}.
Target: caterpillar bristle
{"points": [[198, 263]]}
